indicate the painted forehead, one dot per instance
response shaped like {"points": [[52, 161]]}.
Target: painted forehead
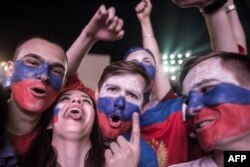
{"points": [[208, 70], [133, 82]]}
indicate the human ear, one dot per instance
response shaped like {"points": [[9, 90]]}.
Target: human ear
{"points": [[10, 69]]}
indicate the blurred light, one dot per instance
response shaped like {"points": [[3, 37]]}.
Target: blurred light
{"points": [[172, 62], [188, 54], [164, 57], [172, 69], [180, 61], [173, 77], [172, 56], [3, 63], [5, 68], [165, 62], [179, 55], [165, 68]]}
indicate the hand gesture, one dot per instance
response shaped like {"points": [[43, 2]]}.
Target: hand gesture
{"points": [[125, 153], [143, 9], [105, 25]]}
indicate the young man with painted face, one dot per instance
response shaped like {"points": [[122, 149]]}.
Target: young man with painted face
{"points": [[122, 90], [162, 125], [38, 72], [217, 100]]}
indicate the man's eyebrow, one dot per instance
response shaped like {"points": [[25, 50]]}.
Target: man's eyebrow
{"points": [[202, 82], [113, 85], [33, 55], [57, 65]]}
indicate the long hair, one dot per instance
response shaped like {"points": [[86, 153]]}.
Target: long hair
{"points": [[43, 154]]}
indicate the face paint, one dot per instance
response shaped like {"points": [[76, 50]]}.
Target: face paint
{"points": [[55, 114], [73, 116], [145, 59], [25, 72], [150, 70], [33, 96], [115, 115], [221, 115]]}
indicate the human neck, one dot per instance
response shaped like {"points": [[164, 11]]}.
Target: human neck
{"points": [[239, 144], [71, 152], [20, 122]]}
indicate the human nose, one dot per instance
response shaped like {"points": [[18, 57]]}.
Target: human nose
{"points": [[120, 103], [43, 75], [194, 104], [76, 100]]}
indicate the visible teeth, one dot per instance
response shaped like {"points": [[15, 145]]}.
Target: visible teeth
{"points": [[203, 123]]}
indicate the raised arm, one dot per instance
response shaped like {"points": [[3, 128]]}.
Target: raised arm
{"points": [[220, 30], [143, 11], [231, 10], [104, 25]]}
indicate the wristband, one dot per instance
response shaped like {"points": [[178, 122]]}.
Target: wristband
{"points": [[213, 7]]}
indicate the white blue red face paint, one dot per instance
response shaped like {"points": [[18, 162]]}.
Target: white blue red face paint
{"points": [[26, 72], [119, 108], [220, 115]]}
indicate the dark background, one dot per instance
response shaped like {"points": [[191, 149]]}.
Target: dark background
{"points": [[175, 29]]}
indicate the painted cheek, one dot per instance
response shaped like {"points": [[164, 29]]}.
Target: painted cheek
{"points": [[28, 102], [150, 70], [56, 81], [110, 132], [56, 112], [231, 121]]}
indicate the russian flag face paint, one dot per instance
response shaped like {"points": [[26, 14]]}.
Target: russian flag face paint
{"points": [[217, 106], [221, 115], [37, 75], [119, 97]]}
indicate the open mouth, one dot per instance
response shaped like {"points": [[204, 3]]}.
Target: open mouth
{"points": [[38, 92], [115, 121], [203, 124], [74, 113]]}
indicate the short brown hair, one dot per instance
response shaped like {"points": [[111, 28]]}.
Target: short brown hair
{"points": [[127, 67], [235, 63], [38, 36]]}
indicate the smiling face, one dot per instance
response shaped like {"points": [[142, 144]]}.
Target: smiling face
{"points": [[218, 107], [37, 75], [118, 98], [146, 60], [73, 116]]}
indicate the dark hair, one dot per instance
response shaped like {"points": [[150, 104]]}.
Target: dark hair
{"points": [[38, 36], [42, 153], [127, 67], [235, 63], [135, 49]]}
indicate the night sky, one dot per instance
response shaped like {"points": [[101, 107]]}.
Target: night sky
{"points": [[175, 29]]}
